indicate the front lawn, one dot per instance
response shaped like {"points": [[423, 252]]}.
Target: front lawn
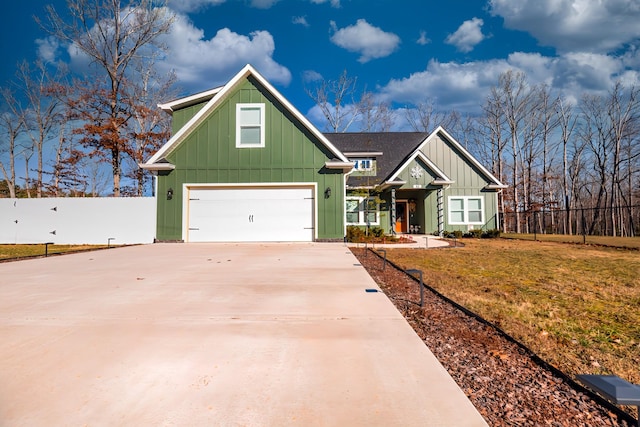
{"points": [[578, 307]]}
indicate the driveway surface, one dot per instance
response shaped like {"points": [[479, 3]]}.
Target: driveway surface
{"points": [[213, 335]]}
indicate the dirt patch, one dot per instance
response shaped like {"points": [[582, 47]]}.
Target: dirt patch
{"points": [[503, 381]]}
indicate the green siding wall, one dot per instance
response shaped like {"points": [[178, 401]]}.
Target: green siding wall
{"points": [[468, 181], [209, 155]]}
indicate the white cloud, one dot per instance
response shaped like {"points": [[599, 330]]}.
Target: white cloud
{"points": [[573, 25], [301, 20], [464, 86], [263, 4], [187, 6], [201, 62], [311, 76], [423, 40], [369, 41], [467, 36], [47, 50], [334, 3]]}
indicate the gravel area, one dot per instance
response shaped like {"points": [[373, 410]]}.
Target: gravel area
{"points": [[501, 378]]}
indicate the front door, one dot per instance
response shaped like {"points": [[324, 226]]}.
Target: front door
{"points": [[402, 216]]}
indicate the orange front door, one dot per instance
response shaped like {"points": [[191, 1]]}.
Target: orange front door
{"points": [[402, 217]]}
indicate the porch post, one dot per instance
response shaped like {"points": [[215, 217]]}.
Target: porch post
{"points": [[440, 204], [393, 211]]}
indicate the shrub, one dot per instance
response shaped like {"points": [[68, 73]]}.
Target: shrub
{"points": [[376, 231], [475, 233], [354, 234], [491, 234]]}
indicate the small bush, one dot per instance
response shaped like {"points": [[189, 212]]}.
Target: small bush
{"points": [[376, 231], [354, 234], [491, 234], [475, 233]]}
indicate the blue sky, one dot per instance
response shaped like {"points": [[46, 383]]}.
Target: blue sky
{"points": [[404, 51]]}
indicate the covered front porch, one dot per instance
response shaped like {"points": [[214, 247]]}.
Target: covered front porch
{"points": [[416, 211]]}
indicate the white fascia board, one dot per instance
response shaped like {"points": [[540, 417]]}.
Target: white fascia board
{"points": [[420, 155], [157, 166], [495, 187], [345, 166], [465, 153], [363, 153], [171, 106], [201, 115]]}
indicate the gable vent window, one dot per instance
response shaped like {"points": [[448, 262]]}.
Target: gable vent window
{"points": [[249, 125]]}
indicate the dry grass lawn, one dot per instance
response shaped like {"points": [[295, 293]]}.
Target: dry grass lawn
{"points": [[578, 307], [620, 242], [22, 251]]}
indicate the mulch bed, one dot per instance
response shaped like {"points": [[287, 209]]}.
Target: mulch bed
{"points": [[506, 383]]}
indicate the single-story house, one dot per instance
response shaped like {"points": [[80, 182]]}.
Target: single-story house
{"points": [[243, 164], [412, 182]]}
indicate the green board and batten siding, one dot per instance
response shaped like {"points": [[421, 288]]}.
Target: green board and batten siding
{"points": [[209, 156], [468, 181]]}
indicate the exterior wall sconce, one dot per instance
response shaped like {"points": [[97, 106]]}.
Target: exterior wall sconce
{"points": [[327, 192], [170, 194]]}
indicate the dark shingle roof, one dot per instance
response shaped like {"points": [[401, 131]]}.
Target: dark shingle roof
{"points": [[396, 147]]}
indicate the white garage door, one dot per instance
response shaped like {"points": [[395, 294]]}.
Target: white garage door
{"points": [[251, 214]]}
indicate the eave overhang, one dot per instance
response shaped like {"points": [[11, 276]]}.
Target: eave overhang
{"points": [[163, 166], [335, 164]]}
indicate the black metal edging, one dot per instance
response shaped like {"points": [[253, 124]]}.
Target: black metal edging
{"points": [[536, 359]]}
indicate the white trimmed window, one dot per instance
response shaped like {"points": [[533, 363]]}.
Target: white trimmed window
{"points": [[362, 211], [249, 125], [466, 210], [363, 164]]}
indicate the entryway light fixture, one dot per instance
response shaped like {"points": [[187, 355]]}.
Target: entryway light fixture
{"points": [[327, 192], [170, 194]]}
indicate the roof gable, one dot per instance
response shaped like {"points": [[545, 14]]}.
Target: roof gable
{"points": [[218, 96], [493, 182]]}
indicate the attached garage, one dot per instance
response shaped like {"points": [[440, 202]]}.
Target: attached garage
{"points": [[243, 165], [263, 213]]}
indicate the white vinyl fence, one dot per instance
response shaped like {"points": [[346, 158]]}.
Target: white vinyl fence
{"points": [[115, 220]]}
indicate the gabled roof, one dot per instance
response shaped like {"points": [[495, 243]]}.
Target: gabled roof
{"points": [[218, 96], [441, 179], [494, 183], [394, 151], [389, 148]]}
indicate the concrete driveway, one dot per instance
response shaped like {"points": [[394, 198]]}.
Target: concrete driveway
{"points": [[213, 335]]}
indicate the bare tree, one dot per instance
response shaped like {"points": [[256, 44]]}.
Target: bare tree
{"points": [[12, 126], [374, 116], [567, 122], [515, 95], [150, 127], [111, 36], [425, 117], [336, 100], [623, 111], [42, 115]]}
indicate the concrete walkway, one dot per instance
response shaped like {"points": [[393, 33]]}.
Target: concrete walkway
{"points": [[421, 241], [213, 335]]}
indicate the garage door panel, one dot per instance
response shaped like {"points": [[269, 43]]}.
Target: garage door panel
{"points": [[251, 214]]}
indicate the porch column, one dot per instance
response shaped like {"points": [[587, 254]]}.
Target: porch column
{"points": [[440, 204], [393, 211]]}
